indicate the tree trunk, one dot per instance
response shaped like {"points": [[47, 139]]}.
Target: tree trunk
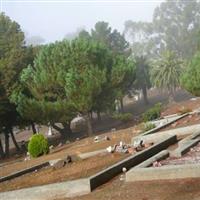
{"points": [[121, 104], [99, 115], [144, 92], [7, 148], [64, 132], [91, 115], [67, 129], [14, 141], [33, 128], [2, 154], [89, 125], [171, 96]]}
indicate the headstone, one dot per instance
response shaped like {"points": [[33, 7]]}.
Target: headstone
{"points": [[57, 164], [50, 131]]}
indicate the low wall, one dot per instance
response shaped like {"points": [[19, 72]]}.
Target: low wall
{"points": [[163, 173], [179, 132], [190, 137], [93, 153], [24, 171], [107, 174], [159, 156], [168, 122], [185, 145], [50, 191]]}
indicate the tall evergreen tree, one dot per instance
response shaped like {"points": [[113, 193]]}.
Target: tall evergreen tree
{"points": [[11, 64], [142, 80]]}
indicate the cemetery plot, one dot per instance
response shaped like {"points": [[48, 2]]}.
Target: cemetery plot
{"points": [[191, 157], [75, 148], [71, 171]]}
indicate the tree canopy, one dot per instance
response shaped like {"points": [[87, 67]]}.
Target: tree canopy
{"points": [[191, 76], [166, 72], [175, 27]]}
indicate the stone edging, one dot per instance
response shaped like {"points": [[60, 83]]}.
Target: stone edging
{"points": [[159, 156], [24, 171], [164, 125], [163, 173]]}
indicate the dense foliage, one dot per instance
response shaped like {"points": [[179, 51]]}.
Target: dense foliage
{"points": [[148, 127], [38, 145], [166, 73], [124, 117], [152, 113], [191, 77]]}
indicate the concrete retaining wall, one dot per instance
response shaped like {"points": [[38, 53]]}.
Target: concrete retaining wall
{"points": [[24, 171], [163, 173], [179, 132], [184, 147], [167, 122], [50, 191], [107, 174], [164, 120], [159, 156], [190, 137]]}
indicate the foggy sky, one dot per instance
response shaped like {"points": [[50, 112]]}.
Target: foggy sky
{"points": [[53, 20]]}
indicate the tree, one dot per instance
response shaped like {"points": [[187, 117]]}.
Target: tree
{"points": [[118, 46], [190, 79], [175, 27], [11, 64], [142, 80], [177, 24], [166, 73], [141, 37], [41, 95], [84, 35], [90, 85], [112, 39], [101, 33], [83, 85]]}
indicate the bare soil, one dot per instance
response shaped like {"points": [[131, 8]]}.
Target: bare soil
{"points": [[185, 189], [177, 107]]}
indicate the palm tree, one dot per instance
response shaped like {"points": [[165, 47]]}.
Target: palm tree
{"points": [[166, 73]]}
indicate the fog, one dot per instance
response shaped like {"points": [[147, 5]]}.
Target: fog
{"points": [[54, 20]]}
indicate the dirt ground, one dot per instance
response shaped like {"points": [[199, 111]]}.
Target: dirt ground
{"points": [[185, 189], [177, 107]]}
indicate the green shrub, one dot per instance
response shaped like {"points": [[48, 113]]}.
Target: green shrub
{"points": [[152, 113], [148, 126], [124, 117], [38, 145]]}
